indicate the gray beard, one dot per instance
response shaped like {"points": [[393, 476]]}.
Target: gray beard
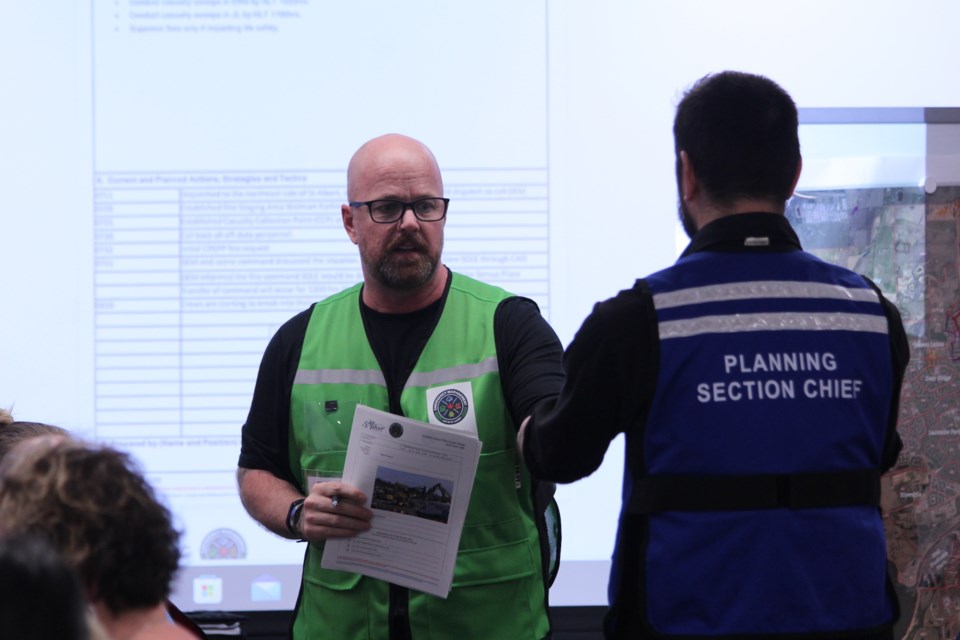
{"points": [[405, 277]]}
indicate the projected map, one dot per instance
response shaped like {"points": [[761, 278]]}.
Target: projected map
{"points": [[907, 242], [876, 232]]}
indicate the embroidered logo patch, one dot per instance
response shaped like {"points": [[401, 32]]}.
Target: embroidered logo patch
{"points": [[450, 406]]}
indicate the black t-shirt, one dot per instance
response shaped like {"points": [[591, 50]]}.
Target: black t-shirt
{"points": [[528, 352]]}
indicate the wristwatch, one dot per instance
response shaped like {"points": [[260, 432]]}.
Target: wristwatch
{"points": [[293, 517]]}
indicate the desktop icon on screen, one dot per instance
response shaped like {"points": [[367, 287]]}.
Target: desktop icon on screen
{"points": [[265, 588], [208, 589]]}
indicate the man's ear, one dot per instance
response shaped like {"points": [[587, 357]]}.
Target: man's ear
{"points": [[689, 185], [346, 213], [796, 178]]}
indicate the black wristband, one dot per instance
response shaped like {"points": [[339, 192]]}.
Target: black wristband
{"points": [[293, 516]]}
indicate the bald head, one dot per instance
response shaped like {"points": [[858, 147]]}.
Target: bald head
{"points": [[400, 259], [384, 157]]}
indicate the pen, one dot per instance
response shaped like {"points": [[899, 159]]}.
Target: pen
{"points": [[335, 501]]}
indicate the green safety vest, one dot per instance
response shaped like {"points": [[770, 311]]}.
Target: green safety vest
{"points": [[498, 586]]}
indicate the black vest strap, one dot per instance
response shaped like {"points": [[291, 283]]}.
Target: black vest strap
{"points": [[653, 494]]}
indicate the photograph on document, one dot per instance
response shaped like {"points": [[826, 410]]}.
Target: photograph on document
{"points": [[412, 494]]}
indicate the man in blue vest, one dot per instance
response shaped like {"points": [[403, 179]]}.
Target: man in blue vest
{"points": [[411, 334], [757, 387]]}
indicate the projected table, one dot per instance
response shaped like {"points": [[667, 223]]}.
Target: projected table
{"points": [[195, 272]]}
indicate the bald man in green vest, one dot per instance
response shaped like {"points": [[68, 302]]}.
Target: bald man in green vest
{"points": [[411, 334]]}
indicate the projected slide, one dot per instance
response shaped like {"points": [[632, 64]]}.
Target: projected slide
{"points": [[171, 173]]}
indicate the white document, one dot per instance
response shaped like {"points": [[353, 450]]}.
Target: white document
{"points": [[418, 477]]}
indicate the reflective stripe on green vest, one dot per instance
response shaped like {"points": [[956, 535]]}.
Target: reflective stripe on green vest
{"points": [[497, 584]]}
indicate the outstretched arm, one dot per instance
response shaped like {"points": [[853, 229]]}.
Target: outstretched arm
{"points": [[610, 373]]}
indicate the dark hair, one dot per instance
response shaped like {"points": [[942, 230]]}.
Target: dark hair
{"points": [[740, 134], [40, 595], [96, 508], [13, 432]]}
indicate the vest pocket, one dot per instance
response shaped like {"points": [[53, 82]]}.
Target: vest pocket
{"points": [[329, 578], [335, 604], [494, 499], [474, 567], [494, 564], [500, 603], [327, 424], [322, 467]]}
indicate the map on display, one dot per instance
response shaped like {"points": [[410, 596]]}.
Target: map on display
{"points": [[906, 241]]}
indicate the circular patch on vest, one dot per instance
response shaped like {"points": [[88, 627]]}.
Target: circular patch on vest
{"points": [[450, 406], [223, 544]]}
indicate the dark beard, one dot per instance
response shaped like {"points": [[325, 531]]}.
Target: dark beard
{"points": [[684, 214]]}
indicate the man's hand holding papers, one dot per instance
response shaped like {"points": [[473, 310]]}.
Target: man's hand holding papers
{"points": [[418, 478]]}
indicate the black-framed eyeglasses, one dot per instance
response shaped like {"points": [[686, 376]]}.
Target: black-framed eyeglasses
{"points": [[387, 211]]}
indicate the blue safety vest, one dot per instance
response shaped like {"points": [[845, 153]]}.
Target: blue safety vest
{"points": [[758, 505]]}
